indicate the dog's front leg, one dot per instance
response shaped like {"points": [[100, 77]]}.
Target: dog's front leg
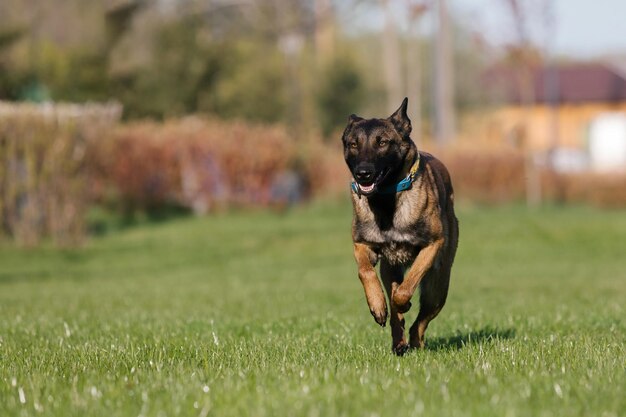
{"points": [[391, 276], [423, 262], [365, 260]]}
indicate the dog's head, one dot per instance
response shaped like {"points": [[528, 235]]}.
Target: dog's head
{"points": [[376, 148]]}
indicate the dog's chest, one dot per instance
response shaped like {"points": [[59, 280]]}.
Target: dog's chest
{"points": [[395, 234]]}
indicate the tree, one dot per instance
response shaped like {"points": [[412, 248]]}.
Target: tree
{"points": [[340, 94]]}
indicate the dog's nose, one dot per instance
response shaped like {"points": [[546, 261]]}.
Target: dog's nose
{"points": [[364, 175]]}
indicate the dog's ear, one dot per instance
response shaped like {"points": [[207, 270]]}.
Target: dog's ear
{"points": [[401, 121], [353, 119]]}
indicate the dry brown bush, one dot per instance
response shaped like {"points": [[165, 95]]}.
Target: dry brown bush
{"points": [[326, 169], [55, 159], [498, 176], [207, 164], [43, 168], [607, 190], [196, 163], [487, 176]]}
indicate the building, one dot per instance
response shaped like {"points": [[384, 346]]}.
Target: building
{"points": [[574, 112]]}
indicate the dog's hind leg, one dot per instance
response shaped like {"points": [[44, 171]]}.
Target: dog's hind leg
{"points": [[433, 294], [434, 286], [392, 276]]}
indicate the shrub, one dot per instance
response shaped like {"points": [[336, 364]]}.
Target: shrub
{"points": [[488, 176], [43, 168], [194, 163], [498, 175], [606, 190]]}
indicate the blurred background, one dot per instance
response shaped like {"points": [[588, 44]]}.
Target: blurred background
{"points": [[127, 108]]}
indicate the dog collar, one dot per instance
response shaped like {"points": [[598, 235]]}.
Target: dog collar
{"points": [[403, 185]]}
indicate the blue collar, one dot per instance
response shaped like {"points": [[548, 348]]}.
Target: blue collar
{"points": [[403, 185]]}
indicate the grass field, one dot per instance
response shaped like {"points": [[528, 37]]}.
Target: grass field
{"points": [[260, 314]]}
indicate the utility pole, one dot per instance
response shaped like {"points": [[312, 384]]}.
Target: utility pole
{"points": [[291, 43], [528, 99], [391, 59], [324, 32], [444, 78], [414, 68], [551, 81]]}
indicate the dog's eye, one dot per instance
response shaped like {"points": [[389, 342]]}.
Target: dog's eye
{"points": [[383, 142], [353, 145]]}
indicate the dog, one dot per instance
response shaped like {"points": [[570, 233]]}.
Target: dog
{"points": [[403, 216]]}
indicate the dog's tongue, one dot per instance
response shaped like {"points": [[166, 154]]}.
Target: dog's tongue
{"points": [[366, 188]]}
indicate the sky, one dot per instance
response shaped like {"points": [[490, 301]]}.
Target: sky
{"points": [[581, 28]]}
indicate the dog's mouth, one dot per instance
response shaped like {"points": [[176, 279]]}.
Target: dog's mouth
{"points": [[371, 187]]}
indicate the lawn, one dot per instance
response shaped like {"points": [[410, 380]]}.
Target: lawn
{"points": [[262, 314]]}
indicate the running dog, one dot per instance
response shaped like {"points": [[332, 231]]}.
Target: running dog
{"points": [[403, 217]]}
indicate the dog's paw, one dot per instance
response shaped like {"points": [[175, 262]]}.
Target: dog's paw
{"points": [[401, 300], [403, 308], [401, 348], [380, 314], [417, 345]]}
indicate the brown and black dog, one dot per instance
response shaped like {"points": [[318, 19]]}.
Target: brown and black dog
{"points": [[403, 216]]}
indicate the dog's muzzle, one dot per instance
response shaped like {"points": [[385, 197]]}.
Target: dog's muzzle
{"points": [[368, 179]]}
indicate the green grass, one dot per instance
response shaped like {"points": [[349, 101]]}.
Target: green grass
{"points": [[262, 314]]}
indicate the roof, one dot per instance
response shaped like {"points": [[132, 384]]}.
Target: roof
{"points": [[573, 83]]}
